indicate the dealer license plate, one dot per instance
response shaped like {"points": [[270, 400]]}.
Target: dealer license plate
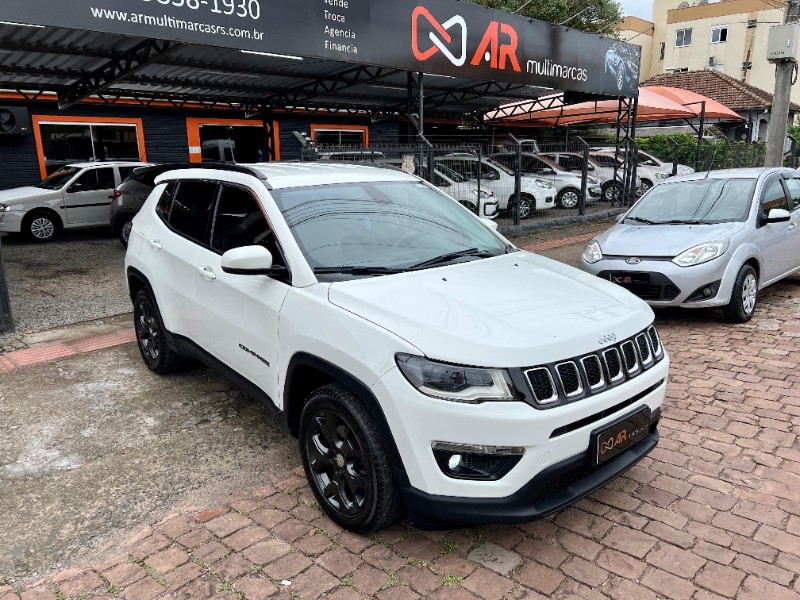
{"points": [[626, 279], [618, 437]]}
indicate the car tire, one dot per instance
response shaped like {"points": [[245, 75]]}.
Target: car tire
{"points": [[41, 226], [744, 297], [469, 206], [346, 462], [123, 227], [158, 354], [644, 188], [568, 198], [611, 192], [526, 206]]}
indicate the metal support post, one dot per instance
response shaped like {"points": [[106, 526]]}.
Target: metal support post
{"points": [[6, 320], [779, 116], [584, 176], [676, 156], [518, 182], [700, 134]]}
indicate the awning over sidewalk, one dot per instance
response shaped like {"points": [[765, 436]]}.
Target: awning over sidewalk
{"points": [[655, 104]]}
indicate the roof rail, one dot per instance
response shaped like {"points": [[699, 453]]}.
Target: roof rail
{"points": [[220, 166]]}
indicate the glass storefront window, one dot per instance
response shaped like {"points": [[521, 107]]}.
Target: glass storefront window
{"points": [[340, 137], [65, 143]]}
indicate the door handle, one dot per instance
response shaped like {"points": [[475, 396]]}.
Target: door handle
{"points": [[207, 273], [155, 244]]}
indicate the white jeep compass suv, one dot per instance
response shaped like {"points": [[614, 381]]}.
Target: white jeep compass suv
{"points": [[424, 362]]}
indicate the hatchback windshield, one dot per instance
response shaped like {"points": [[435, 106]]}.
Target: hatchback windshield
{"points": [[382, 226], [58, 179], [696, 201]]}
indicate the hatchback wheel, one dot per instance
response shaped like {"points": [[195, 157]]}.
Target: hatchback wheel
{"points": [[568, 198], [41, 226], [346, 462], [744, 297], [611, 192], [124, 231], [158, 354]]}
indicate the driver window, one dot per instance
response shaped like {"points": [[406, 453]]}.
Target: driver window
{"points": [[773, 197], [794, 192], [240, 222], [96, 179]]}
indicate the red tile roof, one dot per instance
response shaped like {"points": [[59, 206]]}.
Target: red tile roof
{"points": [[736, 95]]}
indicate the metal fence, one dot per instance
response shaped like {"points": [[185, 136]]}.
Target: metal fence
{"points": [[520, 180]]}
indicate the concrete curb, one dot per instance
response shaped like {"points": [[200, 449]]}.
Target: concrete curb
{"points": [[533, 226]]}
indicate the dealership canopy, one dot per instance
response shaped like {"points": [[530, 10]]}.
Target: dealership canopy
{"points": [[318, 55]]}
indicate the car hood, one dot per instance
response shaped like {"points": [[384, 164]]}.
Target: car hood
{"points": [[513, 310], [10, 197], [627, 239]]}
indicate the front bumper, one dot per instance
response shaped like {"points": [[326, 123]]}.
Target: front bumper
{"points": [[553, 489], [11, 221], [672, 285], [417, 421]]}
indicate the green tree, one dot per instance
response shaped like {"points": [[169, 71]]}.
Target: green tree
{"points": [[586, 15]]}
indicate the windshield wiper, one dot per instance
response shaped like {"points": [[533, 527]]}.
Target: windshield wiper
{"points": [[684, 222], [436, 260], [640, 220], [357, 270]]}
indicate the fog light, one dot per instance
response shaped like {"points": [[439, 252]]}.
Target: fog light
{"points": [[464, 461], [707, 291]]}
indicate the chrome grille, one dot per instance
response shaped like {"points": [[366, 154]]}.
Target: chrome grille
{"points": [[613, 365], [655, 342], [630, 358], [594, 371], [570, 379], [644, 349], [541, 382], [578, 377]]}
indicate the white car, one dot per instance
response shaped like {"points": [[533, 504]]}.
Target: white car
{"points": [[600, 167], [480, 201], [535, 193], [651, 170], [568, 184], [76, 196], [421, 359]]}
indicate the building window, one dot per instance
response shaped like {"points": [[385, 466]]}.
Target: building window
{"points": [[752, 23], [64, 140], [661, 48], [340, 135], [683, 38], [678, 70], [716, 67], [719, 34]]}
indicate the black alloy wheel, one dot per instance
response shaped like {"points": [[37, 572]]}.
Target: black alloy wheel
{"points": [[157, 353], [345, 461]]}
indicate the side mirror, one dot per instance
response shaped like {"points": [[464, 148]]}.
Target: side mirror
{"points": [[247, 260], [489, 223], [778, 215], [76, 187]]}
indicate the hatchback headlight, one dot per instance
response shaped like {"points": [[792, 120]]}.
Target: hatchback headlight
{"points": [[701, 254], [544, 184], [483, 193], [4, 208], [471, 385], [592, 253], [592, 180]]}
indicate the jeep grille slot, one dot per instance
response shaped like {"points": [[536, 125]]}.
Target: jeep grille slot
{"points": [[631, 360], [570, 379], [644, 350], [544, 390], [655, 342], [594, 371], [578, 377], [613, 364]]}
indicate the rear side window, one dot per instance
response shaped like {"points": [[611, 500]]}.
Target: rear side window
{"points": [[165, 202], [125, 172], [192, 209]]}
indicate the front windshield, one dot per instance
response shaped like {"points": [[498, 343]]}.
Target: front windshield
{"points": [[382, 225], [450, 173], [494, 163], [696, 201], [58, 179]]}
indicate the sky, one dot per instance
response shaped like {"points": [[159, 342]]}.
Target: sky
{"points": [[637, 8]]}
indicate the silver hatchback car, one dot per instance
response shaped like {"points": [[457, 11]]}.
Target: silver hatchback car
{"points": [[705, 240]]}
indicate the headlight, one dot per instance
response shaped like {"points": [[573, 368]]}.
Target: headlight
{"points": [[4, 208], [482, 194], [592, 253], [544, 184], [455, 383], [701, 254], [593, 180], [663, 175]]}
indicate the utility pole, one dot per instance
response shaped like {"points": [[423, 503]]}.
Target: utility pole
{"points": [[782, 50]]}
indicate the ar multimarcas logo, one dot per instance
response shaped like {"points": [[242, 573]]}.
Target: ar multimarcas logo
{"points": [[498, 46]]}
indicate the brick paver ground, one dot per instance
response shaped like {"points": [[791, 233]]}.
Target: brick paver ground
{"points": [[712, 513]]}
